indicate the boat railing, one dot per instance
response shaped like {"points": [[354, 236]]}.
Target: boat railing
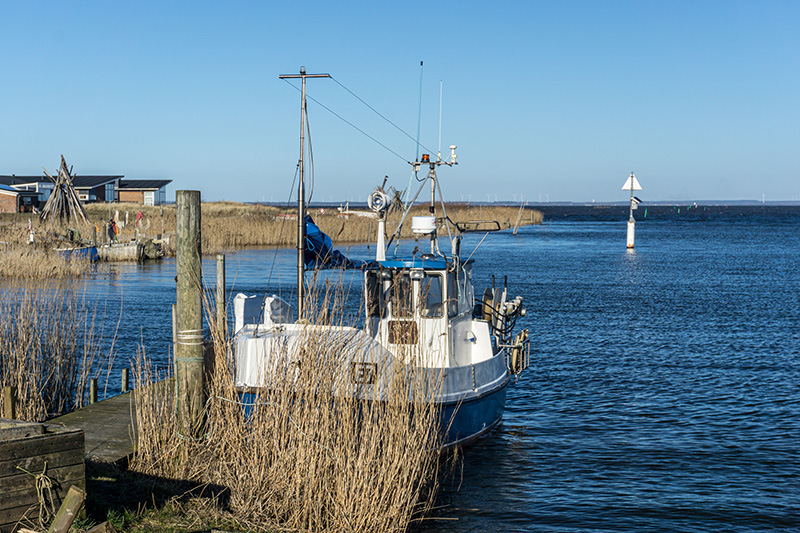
{"points": [[477, 226]]}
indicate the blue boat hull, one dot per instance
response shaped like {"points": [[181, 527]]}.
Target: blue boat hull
{"points": [[465, 422], [82, 253]]}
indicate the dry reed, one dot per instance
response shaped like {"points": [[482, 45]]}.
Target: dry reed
{"points": [[229, 226], [315, 453], [49, 350], [35, 263]]}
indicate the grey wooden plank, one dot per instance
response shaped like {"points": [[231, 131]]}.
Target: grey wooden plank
{"points": [[57, 439], [36, 463], [110, 425]]}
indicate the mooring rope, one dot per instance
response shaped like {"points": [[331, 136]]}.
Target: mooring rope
{"points": [[44, 485], [189, 337]]}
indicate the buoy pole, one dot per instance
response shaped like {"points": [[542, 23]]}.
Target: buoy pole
{"points": [[631, 231], [632, 184]]}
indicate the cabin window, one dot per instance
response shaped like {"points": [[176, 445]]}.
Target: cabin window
{"points": [[402, 296], [430, 296], [452, 295], [466, 294], [375, 303]]}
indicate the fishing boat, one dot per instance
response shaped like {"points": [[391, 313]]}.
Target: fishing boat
{"points": [[82, 252], [421, 314]]}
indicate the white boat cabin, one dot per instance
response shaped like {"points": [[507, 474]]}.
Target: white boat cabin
{"points": [[422, 310]]}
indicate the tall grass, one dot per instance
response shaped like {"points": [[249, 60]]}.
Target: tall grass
{"points": [[229, 226], [316, 453], [50, 347], [30, 263]]}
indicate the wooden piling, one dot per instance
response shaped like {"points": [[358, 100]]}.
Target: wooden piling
{"points": [[10, 402], [126, 382], [68, 510], [93, 391], [189, 399], [222, 315]]}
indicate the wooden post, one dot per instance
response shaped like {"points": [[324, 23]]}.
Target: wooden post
{"points": [[68, 510], [189, 317], [93, 391], [10, 402], [221, 313], [126, 383], [174, 337]]}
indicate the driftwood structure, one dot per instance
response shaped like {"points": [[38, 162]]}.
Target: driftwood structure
{"points": [[63, 203]]}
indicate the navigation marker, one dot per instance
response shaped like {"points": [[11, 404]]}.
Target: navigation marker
{"points": [[632, 184]]}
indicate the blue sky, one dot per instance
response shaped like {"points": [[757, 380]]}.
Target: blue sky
{"points": [[550, 100]]}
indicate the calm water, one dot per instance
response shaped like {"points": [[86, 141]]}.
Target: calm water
{"points": [[663, 393]]}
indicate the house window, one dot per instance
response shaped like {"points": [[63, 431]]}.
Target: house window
{"points": [[109, 192], [149, 198]]}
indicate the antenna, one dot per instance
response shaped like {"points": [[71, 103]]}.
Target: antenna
{"points": [[439, 148], [419, 110]]}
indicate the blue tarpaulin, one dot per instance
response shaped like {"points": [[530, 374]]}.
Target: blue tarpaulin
{"points": [[320, 253]]}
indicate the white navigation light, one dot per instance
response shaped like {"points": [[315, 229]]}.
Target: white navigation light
{"points": [[631, 184]]}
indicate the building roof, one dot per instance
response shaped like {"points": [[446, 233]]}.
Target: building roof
{"points": [[21, 180], [6, 188], [90, 182], [143, 184]]}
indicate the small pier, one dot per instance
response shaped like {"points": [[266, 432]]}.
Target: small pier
{"points": [[109, 426]]}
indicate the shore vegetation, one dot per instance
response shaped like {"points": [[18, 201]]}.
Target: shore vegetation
{"points": [[228, 226], [50, 348], [309, 452]]}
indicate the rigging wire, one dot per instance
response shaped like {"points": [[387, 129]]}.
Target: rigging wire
{"points": [[332, 112], [398, 128], [280, 235], [403, 218], [311, 161]]}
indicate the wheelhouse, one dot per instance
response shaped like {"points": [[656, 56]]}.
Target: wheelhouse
{"points": [[412, 307]]}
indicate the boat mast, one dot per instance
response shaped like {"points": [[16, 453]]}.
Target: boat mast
{"points": [[301, 190]]}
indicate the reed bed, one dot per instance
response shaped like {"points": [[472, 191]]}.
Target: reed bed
{"points": [[314, 453], [228, 226], [21, 261], [31, 263], [50, 348]]}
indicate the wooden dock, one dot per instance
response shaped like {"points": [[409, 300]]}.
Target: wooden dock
{"points": [[109, 426]]}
